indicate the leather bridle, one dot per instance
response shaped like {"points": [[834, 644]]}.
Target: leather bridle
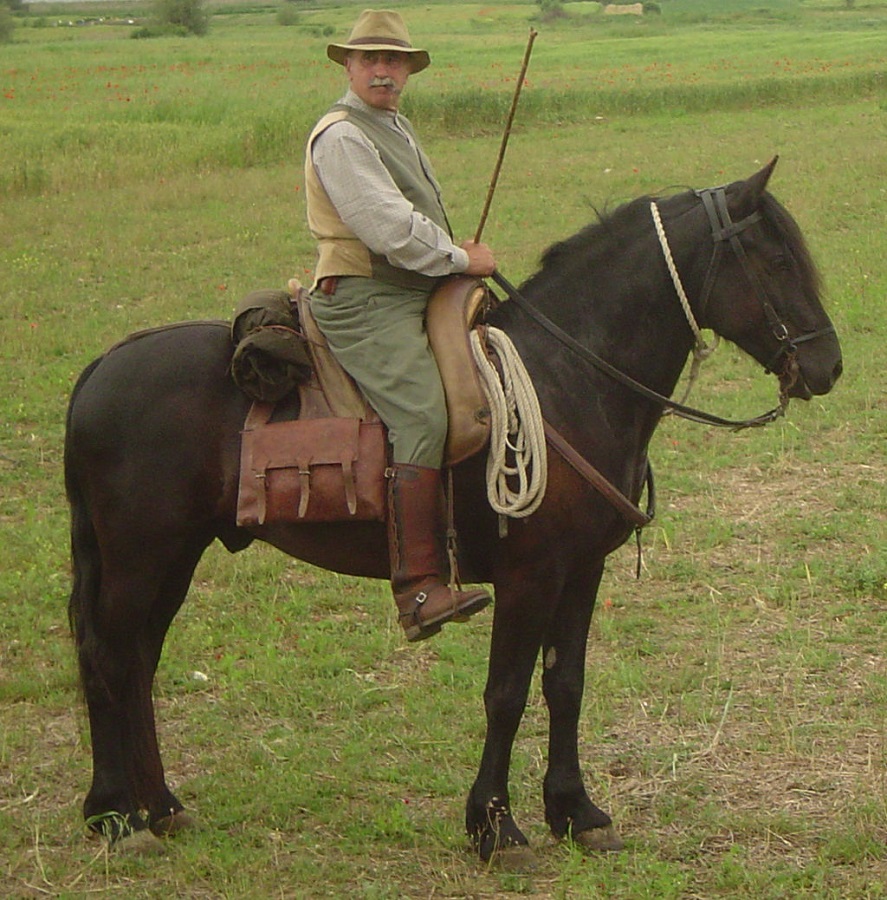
{"points": [[725, 231]]}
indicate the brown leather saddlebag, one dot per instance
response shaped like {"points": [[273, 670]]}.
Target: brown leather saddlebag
{"points": [[312, 470]]}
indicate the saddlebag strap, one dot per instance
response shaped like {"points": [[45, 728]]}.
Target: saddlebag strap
{"points": [[304, 467], [258, 415], [624, 506], [350, 488], [304, 486]]}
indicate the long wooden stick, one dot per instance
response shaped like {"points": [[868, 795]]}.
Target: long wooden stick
{"points": [[498, 168]]}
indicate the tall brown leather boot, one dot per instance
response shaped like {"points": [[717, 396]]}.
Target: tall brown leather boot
{"points": [[417, 546]]}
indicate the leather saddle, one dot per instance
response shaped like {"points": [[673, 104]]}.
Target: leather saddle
{"points": [[329, 463]]}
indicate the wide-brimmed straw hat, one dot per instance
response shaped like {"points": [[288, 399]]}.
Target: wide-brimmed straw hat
{"points": [[380, 29]]}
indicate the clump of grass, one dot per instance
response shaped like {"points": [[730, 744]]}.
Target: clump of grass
{"points": [[176, 17], [473, 111], [7, 25], [287, 14]]}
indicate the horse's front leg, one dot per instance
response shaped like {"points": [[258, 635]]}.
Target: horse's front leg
{"points": [[568, 808], [518, 624]]}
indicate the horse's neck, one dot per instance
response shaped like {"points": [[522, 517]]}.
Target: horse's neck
{"points": [[636, 326], [633, 322]]}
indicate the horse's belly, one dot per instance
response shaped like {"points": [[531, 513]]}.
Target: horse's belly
{"points": [[349, 548]]}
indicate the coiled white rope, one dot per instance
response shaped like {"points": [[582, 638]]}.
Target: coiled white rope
{"points": [[517, 464]]}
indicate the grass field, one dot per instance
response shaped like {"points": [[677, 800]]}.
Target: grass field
{"points": [[734, 722]]}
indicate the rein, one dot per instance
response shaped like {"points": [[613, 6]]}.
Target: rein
{"points": [[686, 412]]}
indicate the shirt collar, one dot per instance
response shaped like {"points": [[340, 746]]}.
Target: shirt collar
{"points": [[351, 99]]}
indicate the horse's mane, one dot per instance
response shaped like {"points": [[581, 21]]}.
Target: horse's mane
{"points": [[611, 228]]}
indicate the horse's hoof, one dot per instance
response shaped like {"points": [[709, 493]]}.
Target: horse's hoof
{"points": [[599, 840], [175, 823], [139, 843], [514, 860]]}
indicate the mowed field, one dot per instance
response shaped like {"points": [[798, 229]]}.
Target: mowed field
{"points": [[734, 722]]}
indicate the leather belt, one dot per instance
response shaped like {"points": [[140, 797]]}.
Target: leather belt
{"points": [[329, 284]]}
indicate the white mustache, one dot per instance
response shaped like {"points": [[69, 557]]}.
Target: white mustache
{"points": [[385, 83]]}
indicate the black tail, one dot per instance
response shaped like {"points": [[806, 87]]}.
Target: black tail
{"points": [[85, 557]]}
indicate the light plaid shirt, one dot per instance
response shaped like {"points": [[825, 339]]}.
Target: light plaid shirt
{"points": [[370, 203]]}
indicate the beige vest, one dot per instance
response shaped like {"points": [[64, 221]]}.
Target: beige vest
{"points": [[339, 251]]}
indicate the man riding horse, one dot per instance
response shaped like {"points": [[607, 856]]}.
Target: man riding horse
{"points": [[384, 243]]}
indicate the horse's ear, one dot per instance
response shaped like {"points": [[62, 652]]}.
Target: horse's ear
{"points": [[748, 199], [760, 179]]}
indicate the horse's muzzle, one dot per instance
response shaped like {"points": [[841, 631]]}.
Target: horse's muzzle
{"points": [[805, 377]]}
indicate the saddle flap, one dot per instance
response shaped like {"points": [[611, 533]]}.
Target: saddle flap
{"points": [[453, 310]]}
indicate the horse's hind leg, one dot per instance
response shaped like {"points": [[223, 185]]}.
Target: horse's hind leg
{"points": [[568, 808], [166, 815], [116, 675], [120, 645]]}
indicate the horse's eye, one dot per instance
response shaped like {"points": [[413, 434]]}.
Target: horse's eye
{"points": [[781, 262]]}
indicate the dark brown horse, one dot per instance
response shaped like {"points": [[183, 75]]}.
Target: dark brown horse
{"points": [[151, 465]]}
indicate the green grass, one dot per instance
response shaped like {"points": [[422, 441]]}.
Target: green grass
{"points": [[93, 115], [734, 718]]}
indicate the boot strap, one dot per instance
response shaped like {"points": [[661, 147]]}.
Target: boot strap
{"points": [[420, 598]]}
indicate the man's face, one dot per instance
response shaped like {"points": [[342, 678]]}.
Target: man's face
{"points": [[378, 76]]}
